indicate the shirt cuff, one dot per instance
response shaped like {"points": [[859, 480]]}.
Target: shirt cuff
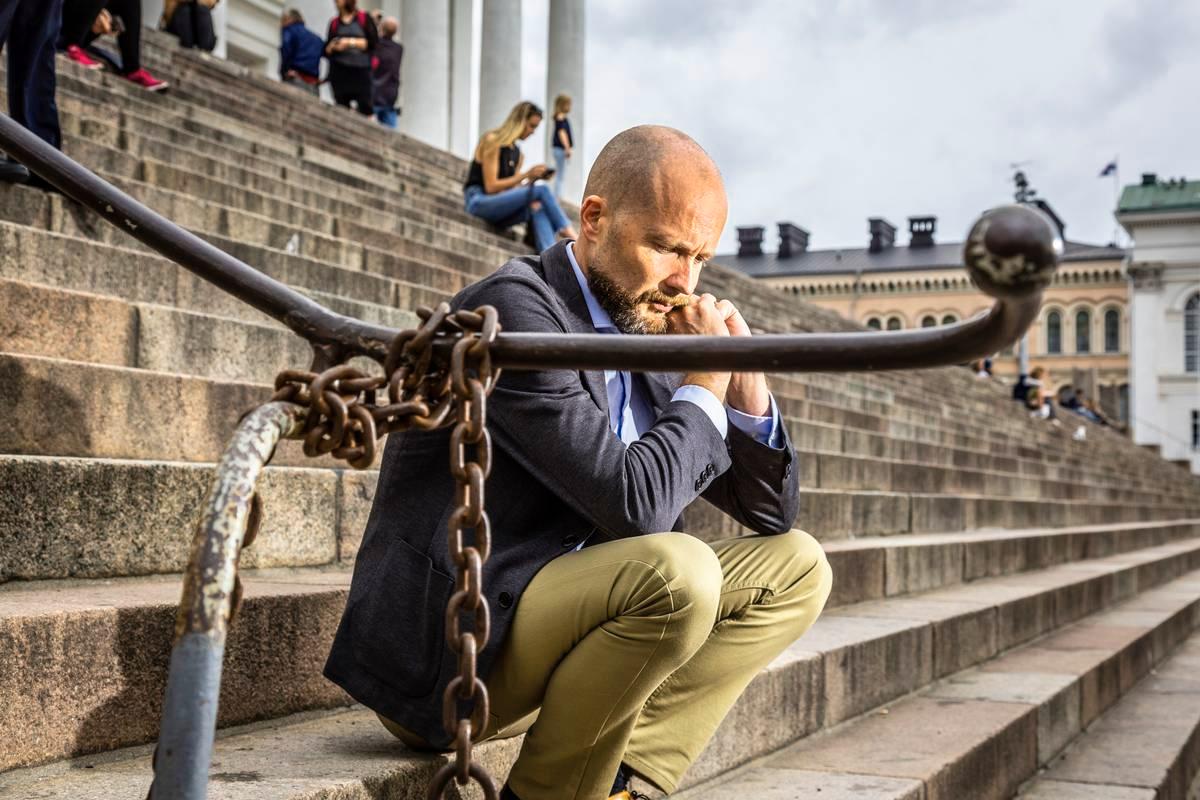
{"points": [[764, 430], [708, 403]]}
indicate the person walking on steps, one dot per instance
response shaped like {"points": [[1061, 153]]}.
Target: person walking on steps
{"points": [[498, 191], [563, 143], [618, 643], [350, 46], [84, 21], [28, 32]]}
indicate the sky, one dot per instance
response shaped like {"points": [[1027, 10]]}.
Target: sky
{"points": [[826, 113]]}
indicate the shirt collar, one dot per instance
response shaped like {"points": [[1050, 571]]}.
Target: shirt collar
{"points": [[600, 318]]}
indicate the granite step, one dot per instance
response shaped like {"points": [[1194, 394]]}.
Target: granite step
{"points": [[854, 659], [984, 730], [1146, 747], [76, 409]]}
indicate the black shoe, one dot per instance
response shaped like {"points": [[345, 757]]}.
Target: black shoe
{"points": [[508, 794], [12, 172]]}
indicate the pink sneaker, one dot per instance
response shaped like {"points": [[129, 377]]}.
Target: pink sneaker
{"points": [[76, 54], [146, 80]]}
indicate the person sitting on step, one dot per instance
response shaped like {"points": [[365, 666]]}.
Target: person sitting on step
{"points": [[498, 191], [618, 642], [84, 21]]}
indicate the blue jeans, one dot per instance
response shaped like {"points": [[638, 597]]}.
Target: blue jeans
{"points": [[560, 164], [30, 27], [511, 206], [386, 116]]}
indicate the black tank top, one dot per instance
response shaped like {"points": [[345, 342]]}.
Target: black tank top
{"points": [[509, 158]]}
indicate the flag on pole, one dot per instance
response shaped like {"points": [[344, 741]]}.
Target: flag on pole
{"points": [[1109, 169]]}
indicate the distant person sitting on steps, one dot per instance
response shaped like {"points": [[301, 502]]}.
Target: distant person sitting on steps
{"points": [[349, 46], [300, 52], [30, 29], [84, 21], [498, 191], [563, 143], [386, 72], [191, 22]]}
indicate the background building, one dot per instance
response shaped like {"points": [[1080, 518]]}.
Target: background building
{"points": [[1163, 217], [1081, 335]]}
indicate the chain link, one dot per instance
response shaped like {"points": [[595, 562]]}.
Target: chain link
{"points": [[345, 418]]}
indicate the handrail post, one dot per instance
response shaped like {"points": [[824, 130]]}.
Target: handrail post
{"points": [[211, 592]]}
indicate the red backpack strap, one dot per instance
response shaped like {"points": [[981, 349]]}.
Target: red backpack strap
{"points": [[362, 20], [333, 27]]}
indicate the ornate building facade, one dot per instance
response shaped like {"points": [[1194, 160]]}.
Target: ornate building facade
{"points": [[1081, 335]]}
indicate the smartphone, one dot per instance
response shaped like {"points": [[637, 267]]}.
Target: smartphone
{"points": [[549, 173]]}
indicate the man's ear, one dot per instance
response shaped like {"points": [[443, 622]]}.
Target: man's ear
{"points": [[593, 216]]}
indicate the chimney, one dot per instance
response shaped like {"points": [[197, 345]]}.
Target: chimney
{"points": [[793, 240], [883, 234], [750, 238], [920, 230], [1149, 178]]}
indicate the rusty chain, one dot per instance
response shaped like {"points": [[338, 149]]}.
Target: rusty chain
{"points": [[345, 419]]}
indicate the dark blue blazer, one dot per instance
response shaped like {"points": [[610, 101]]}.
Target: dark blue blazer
{"points": [[300, 49], [559, 476]]}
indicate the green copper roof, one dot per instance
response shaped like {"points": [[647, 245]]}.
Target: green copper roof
{"points": [[1171, 195]]}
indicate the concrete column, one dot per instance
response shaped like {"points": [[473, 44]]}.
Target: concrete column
{"points": [[462, 73], [564, 75], [425, 73], [220, 20], [1146, 322], [500, 61]]}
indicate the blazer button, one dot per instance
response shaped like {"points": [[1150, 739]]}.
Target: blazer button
{"points": [[570, 541], [506, 600]]}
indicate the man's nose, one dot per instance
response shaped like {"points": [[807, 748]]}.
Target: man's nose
{"points": [[680, 279]]}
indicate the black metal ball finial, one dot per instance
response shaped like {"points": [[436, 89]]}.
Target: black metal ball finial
{"points": [[1012, 251]]}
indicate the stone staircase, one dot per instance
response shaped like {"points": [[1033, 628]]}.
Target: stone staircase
{"points": [[1013, 610]]}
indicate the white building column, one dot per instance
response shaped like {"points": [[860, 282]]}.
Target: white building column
{"points": [[425, 71], [1145, 335], [564, 75], [500, 61], [462, 74]]}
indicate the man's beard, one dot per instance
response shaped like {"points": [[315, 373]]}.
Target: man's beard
{"points": [[629, 312]]}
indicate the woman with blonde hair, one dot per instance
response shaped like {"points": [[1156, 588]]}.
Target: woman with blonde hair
{"points": [[497, 190], [563, 142]]}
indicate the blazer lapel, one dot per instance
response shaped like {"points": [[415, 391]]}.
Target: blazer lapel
{"points": [[556, 266]]}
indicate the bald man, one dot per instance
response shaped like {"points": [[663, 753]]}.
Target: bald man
{"points": [[618, 641]]}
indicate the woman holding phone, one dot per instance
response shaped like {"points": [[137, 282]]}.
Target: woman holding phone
{"points": [[497, 190]]}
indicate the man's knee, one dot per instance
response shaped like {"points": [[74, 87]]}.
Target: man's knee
{"points": [[690, 574], [805, 564]]}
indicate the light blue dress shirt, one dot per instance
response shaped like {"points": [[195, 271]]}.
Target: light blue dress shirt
{"points": [[629, 411]]}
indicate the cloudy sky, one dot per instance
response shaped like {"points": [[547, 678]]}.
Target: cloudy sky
{"points": [[826, 112]]}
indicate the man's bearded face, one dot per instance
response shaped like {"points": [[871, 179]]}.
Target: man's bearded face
{"points": [[632, 312]]}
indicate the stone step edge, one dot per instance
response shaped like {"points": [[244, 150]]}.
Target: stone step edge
{"points": [[1181, 616], [505, 751], [212, 386], [1178, 774]]}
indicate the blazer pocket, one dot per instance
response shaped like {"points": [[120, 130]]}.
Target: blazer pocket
{"points": [[399, 624]]}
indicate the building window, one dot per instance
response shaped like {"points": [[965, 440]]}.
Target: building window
{"points": [[894, 324], [1112, 331], [1191, 334], [929, 321], [1054, 332], [1083, 332], [949, 319], [1196, 430], [874, 324]]}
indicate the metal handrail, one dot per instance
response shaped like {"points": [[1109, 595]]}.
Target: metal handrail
{"points": [[1011, 254]]}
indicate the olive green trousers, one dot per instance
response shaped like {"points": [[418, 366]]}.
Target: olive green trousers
{"points": [[634, 650]]}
